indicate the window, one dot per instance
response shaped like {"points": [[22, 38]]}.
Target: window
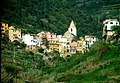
{"points": [[71, 30], [14, 30], [33, 46], [15, 35], [111, 22], [67, 50], [64, 47], [73, 50], [105, 27]]}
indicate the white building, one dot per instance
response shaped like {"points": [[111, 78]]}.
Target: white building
{"points": [[107, 28], [29, 40], [72, 28], [89, 40], [109, 23]]}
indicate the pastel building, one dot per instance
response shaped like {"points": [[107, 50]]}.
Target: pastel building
{"points": [[62, 46], [4, 27], [81, 45], [30, 42], [14, 33], [68, 42], [107, 27], [73, 47], [88, 41], [54, 44], [45, 38]]}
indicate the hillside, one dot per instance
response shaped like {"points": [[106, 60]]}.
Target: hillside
{"points": [[55, 15], [100, 64]]}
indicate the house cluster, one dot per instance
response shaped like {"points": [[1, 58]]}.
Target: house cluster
{"points": [[107, 28], [65, 44]]}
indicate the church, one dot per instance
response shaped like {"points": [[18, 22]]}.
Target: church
{"points": [[72, 28], [71, 34], [68, 42]]}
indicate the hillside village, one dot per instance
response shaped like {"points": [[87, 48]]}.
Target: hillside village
{"points": [[66, 44], [60, 41]]}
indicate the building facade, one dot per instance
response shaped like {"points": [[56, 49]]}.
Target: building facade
{"points": [[88, 41], [107, 28], [30, 42], [45, 38], [14, 33], [4, 28]]}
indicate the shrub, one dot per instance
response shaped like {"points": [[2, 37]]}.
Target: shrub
{"points": [[41, 50]]}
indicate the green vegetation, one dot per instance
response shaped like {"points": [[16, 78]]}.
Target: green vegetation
{"points": [[100, 64], [116, 30], [34, 16]]}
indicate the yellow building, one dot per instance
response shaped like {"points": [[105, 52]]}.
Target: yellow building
{"points": [[80, 46], [14, 34], [53, 45], [4, 28], [31, 48]]}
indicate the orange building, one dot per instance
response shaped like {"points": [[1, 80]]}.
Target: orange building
{"points": [[31, 48], [80, 46], [4, 28]]}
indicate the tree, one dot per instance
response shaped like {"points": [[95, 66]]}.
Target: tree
{"points": [[41, 50], [116, 30]]}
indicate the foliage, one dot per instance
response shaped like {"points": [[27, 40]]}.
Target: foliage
{"points": [[55, 16], [116, 30], [100, 63], [41, 50], [97, 65], [5, 39]]}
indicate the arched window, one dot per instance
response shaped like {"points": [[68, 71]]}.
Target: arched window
{"points": [[71, 30]]}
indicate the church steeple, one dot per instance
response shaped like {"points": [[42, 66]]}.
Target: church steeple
{"points": [[72, 25], [72, 28]]}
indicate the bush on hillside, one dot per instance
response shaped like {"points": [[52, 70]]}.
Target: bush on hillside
{"points": [[41, 50], [100, 48]]}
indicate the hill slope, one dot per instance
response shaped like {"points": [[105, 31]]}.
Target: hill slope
{"points": [[101, 64], [55, 15]]}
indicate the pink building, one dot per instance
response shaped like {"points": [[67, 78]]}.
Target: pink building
{"points": [[53, 36], [45, 37], [73, 47]]}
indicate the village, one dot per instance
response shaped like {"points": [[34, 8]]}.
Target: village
{"points": [[66, 44]]}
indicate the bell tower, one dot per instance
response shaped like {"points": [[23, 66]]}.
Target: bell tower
{"points": [[72, 28]]}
